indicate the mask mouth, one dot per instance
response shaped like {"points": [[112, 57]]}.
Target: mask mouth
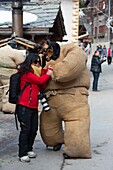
{"points": [[49, 54]]}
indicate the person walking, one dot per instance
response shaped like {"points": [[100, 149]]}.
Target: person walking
{"points": [[27, 107], [109, 56], [96, 69]]}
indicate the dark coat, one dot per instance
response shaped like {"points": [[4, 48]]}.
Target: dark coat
{"points": [[96, 64]]}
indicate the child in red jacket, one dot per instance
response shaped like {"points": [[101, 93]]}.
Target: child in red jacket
{"points": [[27, 107]]}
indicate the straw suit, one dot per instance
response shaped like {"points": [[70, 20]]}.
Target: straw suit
{"points": [[67, 94]]}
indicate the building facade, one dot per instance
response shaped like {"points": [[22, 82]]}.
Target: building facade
{"points": [[99, 14]]}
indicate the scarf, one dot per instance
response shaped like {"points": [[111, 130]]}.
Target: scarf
{"points": [[37, 70]]}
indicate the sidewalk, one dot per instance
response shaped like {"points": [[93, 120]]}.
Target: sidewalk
{"points": [[101, 104]]}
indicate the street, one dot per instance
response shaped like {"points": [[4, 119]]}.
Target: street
{"points": [[101, 136]]}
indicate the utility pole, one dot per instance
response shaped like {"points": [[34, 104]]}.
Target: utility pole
{"points": [[92, 33], [109, 14], [98, 23]]}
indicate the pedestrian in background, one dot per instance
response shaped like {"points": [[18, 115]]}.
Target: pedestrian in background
{"points": [[27, 107], [109, 56], [104, 51], [100, 50], [96, 69]]}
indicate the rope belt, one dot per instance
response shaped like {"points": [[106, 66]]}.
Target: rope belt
{"points": [[64, 91], [1, 87], [59, 91]]}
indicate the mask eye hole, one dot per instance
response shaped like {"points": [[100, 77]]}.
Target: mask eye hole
{"points": [[45, 49]]}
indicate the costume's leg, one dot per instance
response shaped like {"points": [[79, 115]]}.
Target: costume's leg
{"points": [[51, 127], [76, 115], [76, 134]]}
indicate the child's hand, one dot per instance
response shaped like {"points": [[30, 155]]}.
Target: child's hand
{"points": [[49, 72]]}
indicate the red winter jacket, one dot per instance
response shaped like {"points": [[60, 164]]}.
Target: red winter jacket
{"points": [[29, 97], [109, 52]]}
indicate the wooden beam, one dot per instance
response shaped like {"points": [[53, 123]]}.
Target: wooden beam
{"points": [[25, 44]]}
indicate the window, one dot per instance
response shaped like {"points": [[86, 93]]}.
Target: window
{"points": [[102, 5], [102, 29], [95, 31]]}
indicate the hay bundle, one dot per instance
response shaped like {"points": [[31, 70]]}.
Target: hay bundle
{"points": [[5, 74], [10, 58]]}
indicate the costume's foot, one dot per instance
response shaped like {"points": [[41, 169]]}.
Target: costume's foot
{"points": [[66, 156], [69, 157], [8, 112], [57, 147]]}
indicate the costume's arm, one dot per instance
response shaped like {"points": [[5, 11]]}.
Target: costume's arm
{"points": [[71, 66]]}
